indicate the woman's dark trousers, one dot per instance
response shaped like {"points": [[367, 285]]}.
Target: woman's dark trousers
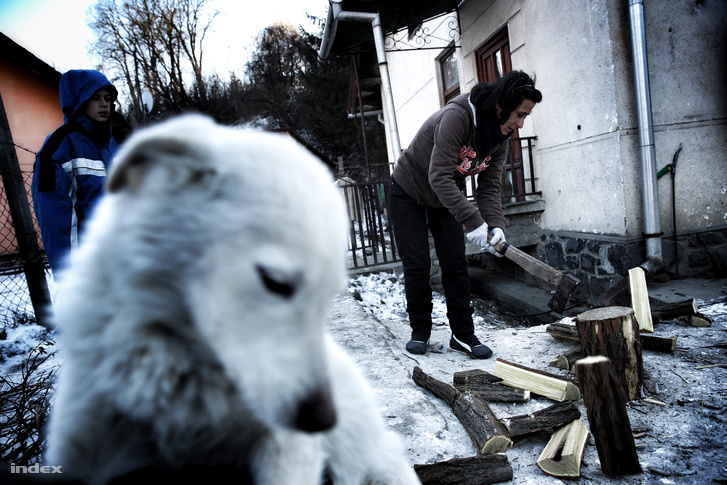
{"points": [[412, 224]]}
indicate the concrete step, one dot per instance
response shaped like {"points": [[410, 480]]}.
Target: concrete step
{"points": [[518, 297]]}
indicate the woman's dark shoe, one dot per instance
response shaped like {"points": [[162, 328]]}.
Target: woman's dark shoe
{"points": [[470, 346], [417, 345]]}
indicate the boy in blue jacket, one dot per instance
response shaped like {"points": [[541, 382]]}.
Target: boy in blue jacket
{"points": [[70, 169]]}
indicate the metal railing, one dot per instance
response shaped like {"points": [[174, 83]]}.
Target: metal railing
{"points": [[371, 238]]}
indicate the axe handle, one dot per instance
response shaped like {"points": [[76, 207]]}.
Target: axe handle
{"points": [[530, 264]]}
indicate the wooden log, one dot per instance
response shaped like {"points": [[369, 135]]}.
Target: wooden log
{"points": [[640, 299], [605, 400], [481, 424], [563, 454], [486, 432], [474, 470], [546, 419], [677, 309], [536, 381], [658, 344], [440, 389], [613, 332], [487, 387], [502, 393], [563, 331]]}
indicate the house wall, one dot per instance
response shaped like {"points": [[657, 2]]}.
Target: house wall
{"points": [[580, 53], [415, 77], [33, 112]]}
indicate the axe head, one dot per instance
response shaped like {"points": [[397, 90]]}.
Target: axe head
{"points": [[562, 294]]}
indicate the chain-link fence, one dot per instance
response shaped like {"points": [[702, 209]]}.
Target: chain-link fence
{"points": [[15, 301]]}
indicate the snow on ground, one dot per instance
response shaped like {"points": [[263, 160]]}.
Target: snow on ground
{"points": [[685, 439], [684, 442]]}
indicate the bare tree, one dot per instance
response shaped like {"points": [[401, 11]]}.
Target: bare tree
{"points": [[274, 74], [154, 45]]}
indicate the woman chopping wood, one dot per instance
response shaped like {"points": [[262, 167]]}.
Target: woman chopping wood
{"points": [[469, 136]]}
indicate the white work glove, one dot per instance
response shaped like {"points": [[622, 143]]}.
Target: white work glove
{"points": [[479, 235], [497, 237]]}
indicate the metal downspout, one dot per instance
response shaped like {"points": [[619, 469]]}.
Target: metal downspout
{"points": [[336, 14], [652, 230]]}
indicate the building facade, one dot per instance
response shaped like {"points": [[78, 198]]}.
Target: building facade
{"points": [[594, 217]]}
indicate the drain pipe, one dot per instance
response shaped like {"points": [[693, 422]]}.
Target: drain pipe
{"points": [[652, 231], [335, 15]]}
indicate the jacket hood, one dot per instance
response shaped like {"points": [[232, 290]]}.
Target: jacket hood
{"points": [[462, 100], [77, 87]]}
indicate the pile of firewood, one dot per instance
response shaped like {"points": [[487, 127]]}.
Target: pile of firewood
{"points": [[608, 372], [469, 396]]}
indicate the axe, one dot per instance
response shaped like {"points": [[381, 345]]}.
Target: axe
{"points": [[564, 283]]}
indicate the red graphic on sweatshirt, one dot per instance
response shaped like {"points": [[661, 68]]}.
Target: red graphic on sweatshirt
{"points": [[467, 163]]}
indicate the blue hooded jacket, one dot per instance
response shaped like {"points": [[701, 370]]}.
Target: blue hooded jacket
{"points": [[70, 169]]}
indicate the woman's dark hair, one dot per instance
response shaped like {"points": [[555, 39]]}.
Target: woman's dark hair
{"points": [[507, 92]]}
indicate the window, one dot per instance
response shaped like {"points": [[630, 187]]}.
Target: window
{"points": [[493, 58], [449, 71]]}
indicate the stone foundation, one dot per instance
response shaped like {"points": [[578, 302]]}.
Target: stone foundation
{"points": [[600, 261]]}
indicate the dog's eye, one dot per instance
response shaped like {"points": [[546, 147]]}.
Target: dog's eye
{"points": [[276, 283]]}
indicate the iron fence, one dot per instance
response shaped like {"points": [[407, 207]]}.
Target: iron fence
{"points": [[371, 239]]}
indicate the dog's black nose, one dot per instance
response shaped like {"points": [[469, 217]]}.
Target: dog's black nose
{"points": [[317, 413]]}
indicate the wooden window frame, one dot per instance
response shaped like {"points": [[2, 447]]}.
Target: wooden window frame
{"points": [[452, 92]]}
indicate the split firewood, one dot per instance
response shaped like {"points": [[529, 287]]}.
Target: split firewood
{"points": [[563, 454], [488, 387], [561, 362], [698, 320], [472, 378], [563, 331], [566, 361], [475, 470], [440, 389], [658, 344], [481, 424], [640, 299], [677, 309], [546, 419], [536, 381], [605, 401], [614, 333], [485, 430]]}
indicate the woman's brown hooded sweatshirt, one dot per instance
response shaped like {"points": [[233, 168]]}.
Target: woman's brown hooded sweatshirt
{"points": [[440, 157]]}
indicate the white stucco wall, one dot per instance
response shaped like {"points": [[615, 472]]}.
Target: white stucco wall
{"points": [[584, 178], [414, 78]]}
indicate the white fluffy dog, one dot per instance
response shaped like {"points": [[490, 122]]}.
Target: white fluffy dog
{"points": [[192, 320]]}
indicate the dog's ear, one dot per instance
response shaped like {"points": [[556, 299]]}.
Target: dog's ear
{"points": [[132, 168]]}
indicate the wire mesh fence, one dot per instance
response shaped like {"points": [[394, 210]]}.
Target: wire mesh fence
{"points": [[15, 301]]}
